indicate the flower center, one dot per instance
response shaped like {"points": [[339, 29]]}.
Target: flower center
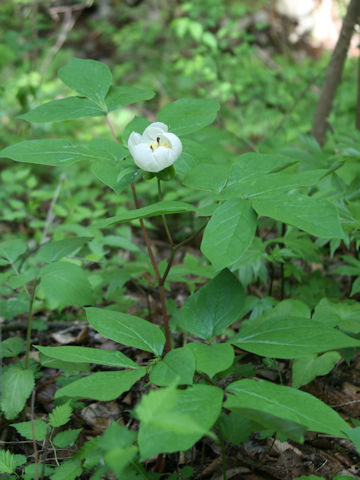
{"points": [[158, 143]]}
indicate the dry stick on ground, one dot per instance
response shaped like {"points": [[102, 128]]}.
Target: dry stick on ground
{"points": [[334, 71], [71, 14]]}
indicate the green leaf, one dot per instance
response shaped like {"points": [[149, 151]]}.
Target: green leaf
{"points": [[115, 174], [64, 109], [274, 183], [88, 355], [252, 396], [10, 251], [290, 337], [103, 386], [17, 384], [354, 435], [121, 96], [52, 152], [60, 415], [229, 232], [210, 177], [344, 314], [173, 420], [118, 458], [66, 438], [177, 366], [213, 307], [211, 359], [25, 429], [235, 427], [9, 462], [88, 77], [11, 347], [69, 470], [53, 251], [127, 329], [188, 115], [154, 210], [66, 283], [315, 216], [307, 368], [137, 124]]}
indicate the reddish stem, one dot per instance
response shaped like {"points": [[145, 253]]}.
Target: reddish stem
{"points": [[152, 257]]}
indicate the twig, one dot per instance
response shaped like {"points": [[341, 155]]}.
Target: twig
{"points": [[176, 248], [68, 24], [29, 322], [171, 241]]}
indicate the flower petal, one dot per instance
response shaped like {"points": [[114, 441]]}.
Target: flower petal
{"points": [[175, 143], [134, 139], [153, 130], [143, 157]]}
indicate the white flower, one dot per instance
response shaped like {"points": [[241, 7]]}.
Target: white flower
{"points": [[155, 149]]}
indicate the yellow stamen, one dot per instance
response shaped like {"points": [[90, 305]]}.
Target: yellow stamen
{"points": [[155, 145]]}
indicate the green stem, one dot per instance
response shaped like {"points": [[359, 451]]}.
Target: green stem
{"points": [[30, 316], [171, 241]]}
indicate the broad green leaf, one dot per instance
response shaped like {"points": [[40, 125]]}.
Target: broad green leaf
{"points": [[88, 77], [188, 115], [103, 386], [213, 307], [127, 329], [177, 366], [10, 251], [315, 216], [11, 347], [63, 365], [118, 458], [17, 385], [290, 337], [137, 124], [53, 251], [121, 96], [88, 355], [307, 368], [54, 152], [117, 435], [235, 427], [229, 232], [25, 429], [173, 420], [206, 176], [160, 208], [66, 283], [115, 174], [60, 415], [251, 166], [251, 396], [64, 109], [343, 314], [107, 149], [274, 183], [354, 435], [69, 470], [211, 359], [66, 438]]}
